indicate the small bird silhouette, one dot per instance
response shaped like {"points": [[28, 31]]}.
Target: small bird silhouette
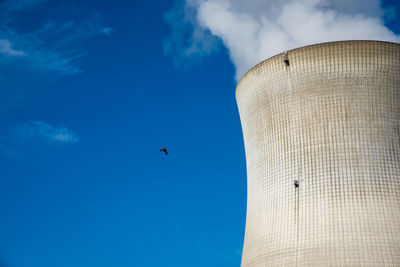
{"points": [[164, 150]]}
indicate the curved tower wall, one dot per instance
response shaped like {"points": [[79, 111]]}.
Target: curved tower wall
{"points": [[329, 120]]}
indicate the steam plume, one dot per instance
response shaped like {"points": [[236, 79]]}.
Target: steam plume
{"points": [[254, 30]]}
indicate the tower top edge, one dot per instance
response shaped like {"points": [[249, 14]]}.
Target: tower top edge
{"points": [[313, 47]]}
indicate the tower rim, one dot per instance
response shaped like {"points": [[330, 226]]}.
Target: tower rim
{"points": [[265, 61]]}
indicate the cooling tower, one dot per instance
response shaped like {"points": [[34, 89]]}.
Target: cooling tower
{"points": [[321, 133]]}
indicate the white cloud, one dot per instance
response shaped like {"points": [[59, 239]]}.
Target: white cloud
{"points": [[39, 132], [254, 30]]}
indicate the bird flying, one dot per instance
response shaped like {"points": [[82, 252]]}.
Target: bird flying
{"points": [[164, 150]]}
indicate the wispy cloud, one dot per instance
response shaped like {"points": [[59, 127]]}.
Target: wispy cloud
{"points": [[107, 30], [254, 30], [32, 136], [14, 5], [41, 132], [6, 49], [56, 45], [53, 46]]}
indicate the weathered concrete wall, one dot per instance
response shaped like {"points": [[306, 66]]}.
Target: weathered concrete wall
{"points": [[331, 121]]}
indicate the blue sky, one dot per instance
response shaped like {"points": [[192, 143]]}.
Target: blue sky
{"points": [[89, 93]]}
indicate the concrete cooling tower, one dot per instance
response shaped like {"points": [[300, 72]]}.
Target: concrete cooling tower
{"points": [[322, 139]]}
